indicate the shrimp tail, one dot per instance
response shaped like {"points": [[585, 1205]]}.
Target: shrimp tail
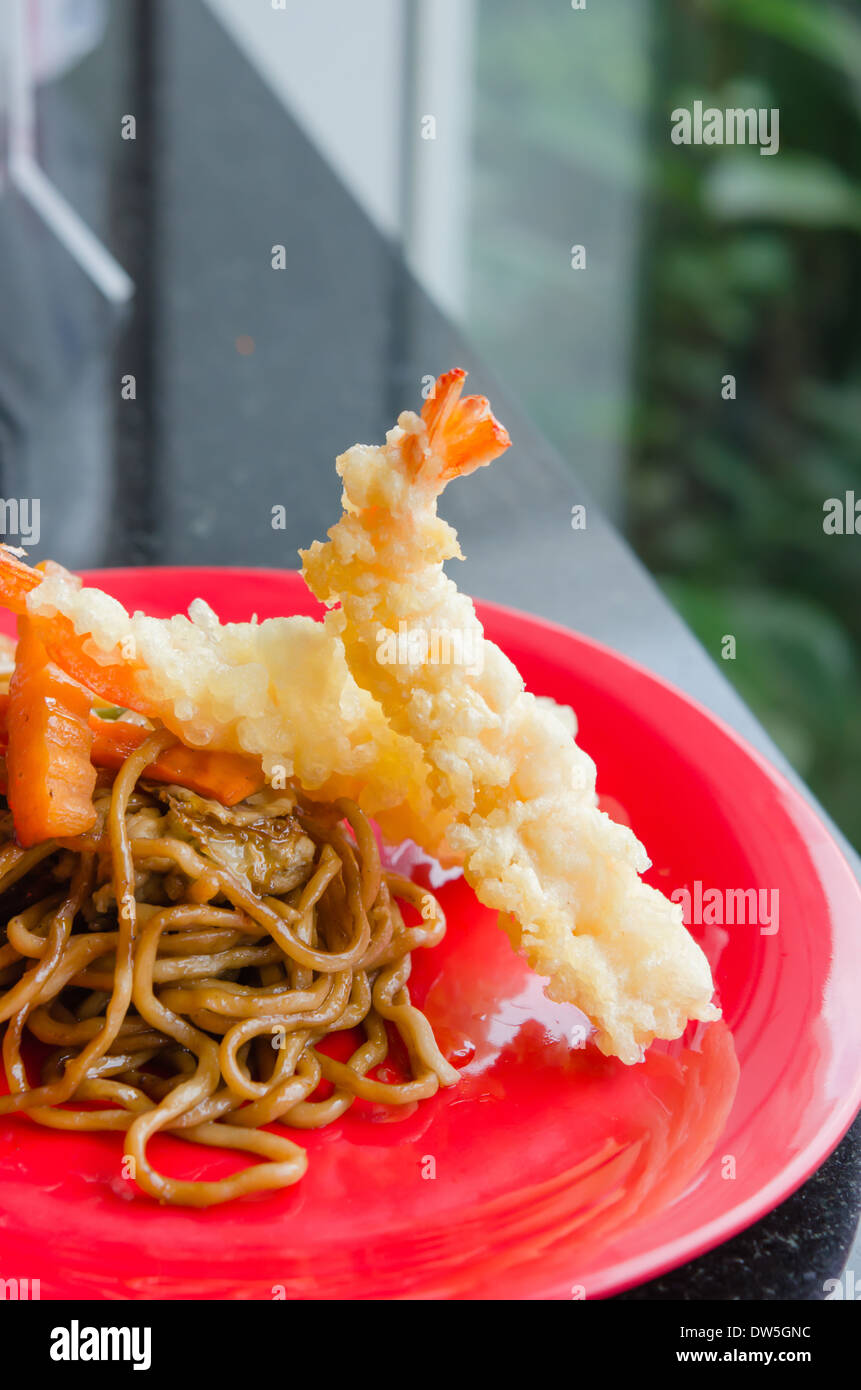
{"points": [[462, 434], [514, 792]]}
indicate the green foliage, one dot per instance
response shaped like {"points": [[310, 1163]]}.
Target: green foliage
{"points": [[798, 191], [751, 267], [794, 663]]}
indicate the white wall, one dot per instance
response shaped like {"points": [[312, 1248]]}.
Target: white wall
{"points": [[358, 78]]}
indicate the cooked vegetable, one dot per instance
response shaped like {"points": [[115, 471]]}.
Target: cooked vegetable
{"points": [[111, 712], [51, 778], [228, 777], [270, 850], [116, 683]]}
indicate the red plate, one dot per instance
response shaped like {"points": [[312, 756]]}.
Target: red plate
{"points": [[550, 1171]]}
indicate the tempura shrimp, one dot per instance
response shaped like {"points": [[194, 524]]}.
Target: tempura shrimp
{"points": [[509, 782], [278, 690]]}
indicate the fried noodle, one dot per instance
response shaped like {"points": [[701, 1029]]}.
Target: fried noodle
{"points": [[174, 988]]}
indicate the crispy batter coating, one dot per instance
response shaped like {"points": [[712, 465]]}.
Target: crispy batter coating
{"points": [[279, 689], [564, 877], [398, 702]]}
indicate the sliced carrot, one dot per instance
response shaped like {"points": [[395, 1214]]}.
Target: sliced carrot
{"points": [[116, 682], [51, 778], [228, 777]]}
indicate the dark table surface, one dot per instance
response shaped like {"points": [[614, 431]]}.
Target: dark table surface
{"points": [[189, 471]]}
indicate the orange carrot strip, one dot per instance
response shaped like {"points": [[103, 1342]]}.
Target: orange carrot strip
{"points": [[115, 683], [228, 777], [50, 775]]}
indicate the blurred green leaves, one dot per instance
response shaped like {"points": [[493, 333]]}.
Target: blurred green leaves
{"points": [[796, 189], [748, 265], [795, 664], [752, 266], [818, 29]]}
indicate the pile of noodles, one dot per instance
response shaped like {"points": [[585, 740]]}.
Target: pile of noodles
{"points": [[173, 996]]}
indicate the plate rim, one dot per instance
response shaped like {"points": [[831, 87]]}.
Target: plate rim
{"points": [[659, 1259]]}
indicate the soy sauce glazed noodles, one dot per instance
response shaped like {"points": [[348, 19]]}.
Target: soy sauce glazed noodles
{"points": [[181, 961], [188, 868]]}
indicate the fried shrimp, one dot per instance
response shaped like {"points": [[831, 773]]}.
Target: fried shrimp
{"points": [[453, 754], [509, 783], [279, 690]]}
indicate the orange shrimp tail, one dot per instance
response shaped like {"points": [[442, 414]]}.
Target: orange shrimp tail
{"points": [[465, 433], [115, 681], [16, 581]]}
